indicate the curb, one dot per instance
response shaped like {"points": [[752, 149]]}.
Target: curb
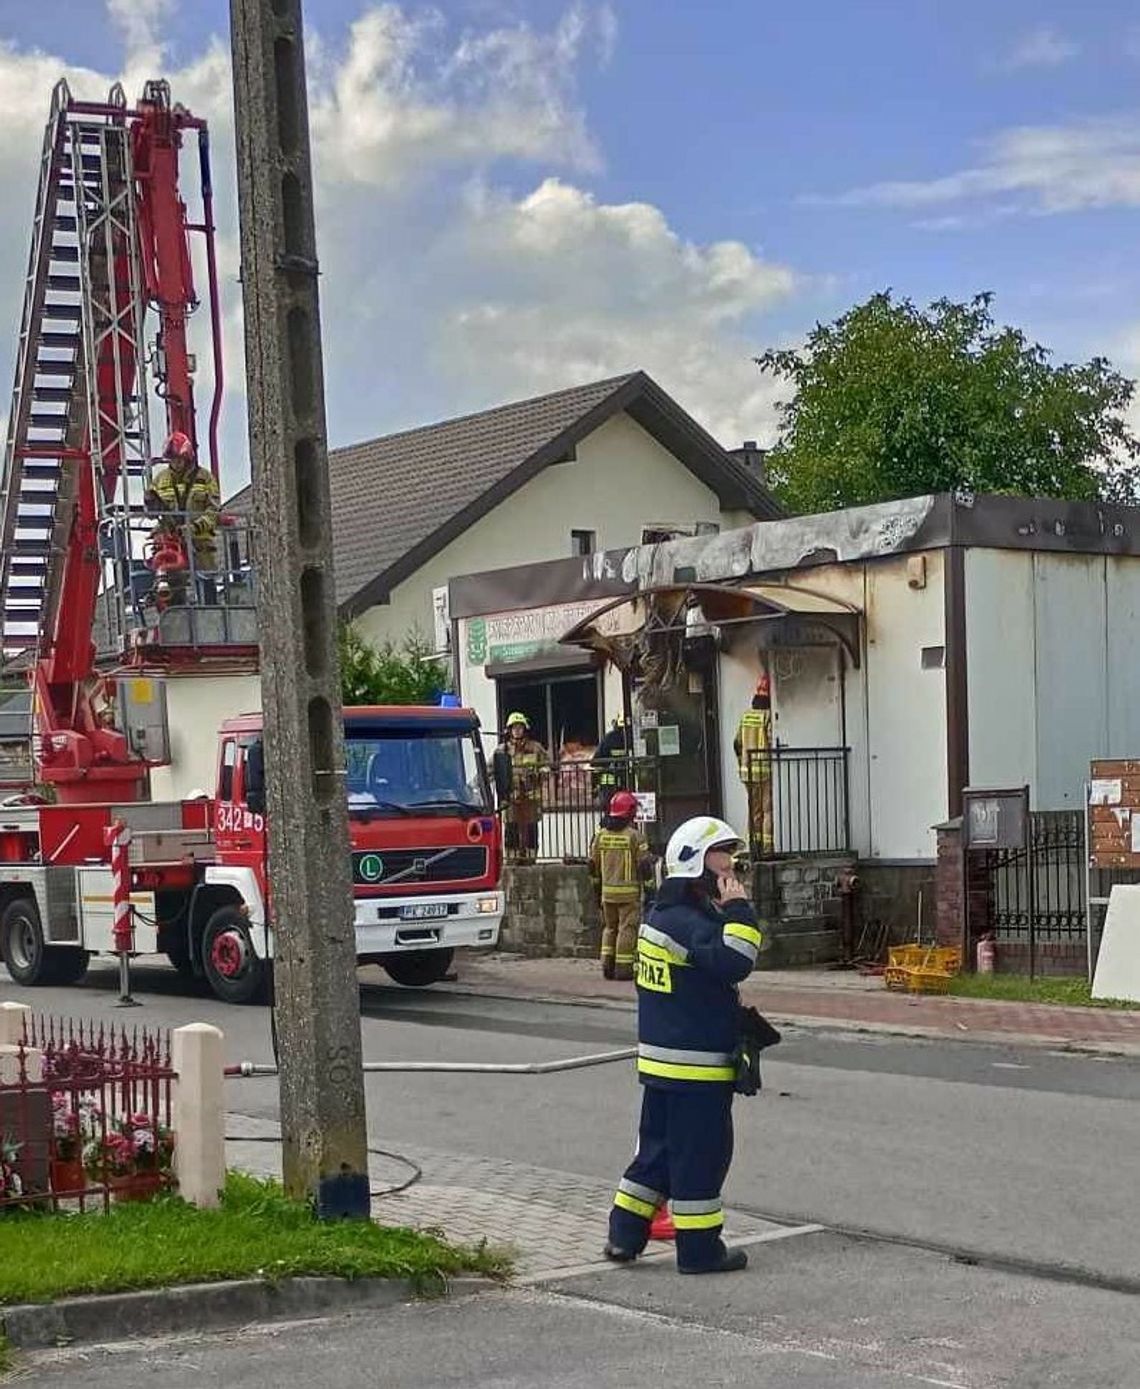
{"points": [[201, 1307], [817, 1023]]}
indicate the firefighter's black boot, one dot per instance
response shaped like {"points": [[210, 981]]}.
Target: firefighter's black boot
{"points": [[734, 1260]]}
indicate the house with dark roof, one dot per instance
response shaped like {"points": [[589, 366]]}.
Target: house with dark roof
{"points": [[598, 467], [612, 463]]}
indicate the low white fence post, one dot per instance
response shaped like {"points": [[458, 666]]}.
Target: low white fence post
{"points": [[199, 1113], [12, 1017]]}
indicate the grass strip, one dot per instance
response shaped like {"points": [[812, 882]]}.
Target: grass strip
{"points": [[257, 1232], [1073, 991]]}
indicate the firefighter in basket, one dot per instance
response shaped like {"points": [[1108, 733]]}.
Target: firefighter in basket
{"points": [[186, 500]]}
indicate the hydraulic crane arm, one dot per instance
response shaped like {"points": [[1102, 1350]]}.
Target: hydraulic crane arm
{"points": [[110, 243]]}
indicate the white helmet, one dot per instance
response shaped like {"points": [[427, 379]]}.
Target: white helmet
{"points": [[688, 845]]}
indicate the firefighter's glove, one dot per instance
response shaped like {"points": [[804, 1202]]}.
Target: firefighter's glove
{"points": [[756, 1034]]}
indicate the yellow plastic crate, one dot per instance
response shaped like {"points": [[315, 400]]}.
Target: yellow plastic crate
{"points": [[928, 981], [936, 957]]}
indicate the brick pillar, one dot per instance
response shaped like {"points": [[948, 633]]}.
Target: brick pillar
{"points": [[948, 884], [948, 891]]}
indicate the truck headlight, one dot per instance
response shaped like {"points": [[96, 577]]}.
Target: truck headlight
{"points": [[487, 906]]}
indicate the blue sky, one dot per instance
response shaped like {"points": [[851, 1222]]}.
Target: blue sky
{"points": [[517, 196]]}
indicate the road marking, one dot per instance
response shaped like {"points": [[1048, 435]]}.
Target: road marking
{"points": [[852, 1354], [665, 1255], [1009, 1066]]}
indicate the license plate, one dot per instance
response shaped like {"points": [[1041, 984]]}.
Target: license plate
{"points": [[424, 911]]}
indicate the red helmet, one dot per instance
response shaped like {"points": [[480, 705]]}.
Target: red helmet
{"points": [[179, 445], [623, 805]]}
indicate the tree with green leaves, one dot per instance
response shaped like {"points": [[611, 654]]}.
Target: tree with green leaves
{"points": [[386, 675], [895, 401]]}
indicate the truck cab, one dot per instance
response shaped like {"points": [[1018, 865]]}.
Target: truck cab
{"points": [[426, 845]]}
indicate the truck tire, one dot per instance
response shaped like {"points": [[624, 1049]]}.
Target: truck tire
{"points": [[418, 968], [65, 964], [22, 945], [27, 958], [229, 961], [179, 957]]}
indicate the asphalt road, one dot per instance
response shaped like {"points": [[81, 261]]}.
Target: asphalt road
{"points": [[984, 1227]]}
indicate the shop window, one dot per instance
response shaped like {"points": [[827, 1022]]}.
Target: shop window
{"points": [[564, 718]]}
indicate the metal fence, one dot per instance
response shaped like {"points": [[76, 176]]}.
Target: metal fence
{"points": [[1038, 894], [571, 799], [798, 802], [85, 1116]]}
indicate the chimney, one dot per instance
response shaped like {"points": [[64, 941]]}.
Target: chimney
{"points": [[752, 456]]}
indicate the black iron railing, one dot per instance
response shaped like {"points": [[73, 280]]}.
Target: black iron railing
{"points": [[798, 802], [558, 814], [1039, 892]]}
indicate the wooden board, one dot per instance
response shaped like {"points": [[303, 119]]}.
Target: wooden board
{"points": [[1115, 805]]}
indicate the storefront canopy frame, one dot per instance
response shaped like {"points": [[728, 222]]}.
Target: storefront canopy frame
{"points": [[669, 608]]}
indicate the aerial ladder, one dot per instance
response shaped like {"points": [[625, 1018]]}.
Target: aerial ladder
{"points": [[81, 591]]}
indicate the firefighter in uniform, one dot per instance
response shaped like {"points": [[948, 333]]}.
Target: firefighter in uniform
{"points": [[523, 812], [753, 743], [186, 499], [610, 763], [620, 864], [700, 940]]}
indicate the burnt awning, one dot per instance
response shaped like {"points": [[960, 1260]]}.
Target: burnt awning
{"points": [[680, 608]]}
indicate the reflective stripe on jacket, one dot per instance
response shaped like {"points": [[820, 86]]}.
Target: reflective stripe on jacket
{"points": [[616, 858], [691, 955], [529, 761], [754, 736], [194, 498]]}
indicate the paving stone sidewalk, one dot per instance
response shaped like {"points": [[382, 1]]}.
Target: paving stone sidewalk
{"points": [[555, 1221], [837, 997]]}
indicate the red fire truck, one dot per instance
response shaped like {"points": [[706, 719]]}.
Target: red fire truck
{"points": [[89, 624]]}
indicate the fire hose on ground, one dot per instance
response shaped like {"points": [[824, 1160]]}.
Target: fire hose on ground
{"points": [[244, 1070]]}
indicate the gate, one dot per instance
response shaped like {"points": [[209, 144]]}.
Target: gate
{"points": [[1035, 897]]}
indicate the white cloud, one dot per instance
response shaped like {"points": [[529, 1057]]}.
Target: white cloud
{"points": [[401, 101], [140, 23], [1046, 169], [582, 289], [442, 289], [1042, 47]]}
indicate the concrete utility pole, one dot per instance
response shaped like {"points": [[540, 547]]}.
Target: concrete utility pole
{"points": [[318, 1003]]}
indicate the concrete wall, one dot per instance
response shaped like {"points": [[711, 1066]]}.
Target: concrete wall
{"points": [[551, 910], [905, 709], [1053, 676], [622, 480], [197, 707]]}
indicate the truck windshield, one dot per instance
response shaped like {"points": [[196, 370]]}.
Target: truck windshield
{"points": [[415, 772]]}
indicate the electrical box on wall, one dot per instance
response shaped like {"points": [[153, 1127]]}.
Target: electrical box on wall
{"points": [[142, 716]]}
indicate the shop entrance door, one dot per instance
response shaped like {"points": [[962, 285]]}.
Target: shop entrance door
{"points": [[678, 727]]}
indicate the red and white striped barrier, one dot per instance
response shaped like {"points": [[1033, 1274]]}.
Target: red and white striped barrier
{"points": [[119, 839]]}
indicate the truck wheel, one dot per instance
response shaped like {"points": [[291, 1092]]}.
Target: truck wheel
{"points": [[179, 957], [418, 968], [229, 960], [22, 942], [65, 964]]}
